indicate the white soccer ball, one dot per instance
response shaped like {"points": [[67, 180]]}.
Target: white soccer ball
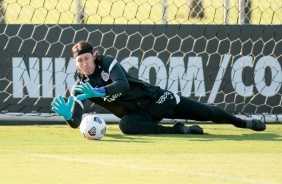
{"points": [[93, 127]]}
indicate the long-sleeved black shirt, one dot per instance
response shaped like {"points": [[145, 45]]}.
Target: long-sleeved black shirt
{"points": [[124, 94]]}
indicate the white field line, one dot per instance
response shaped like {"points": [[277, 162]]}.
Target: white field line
{"points": [[201, 174]]}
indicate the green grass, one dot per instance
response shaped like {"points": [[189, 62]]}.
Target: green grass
{"points": [[59, 154]]}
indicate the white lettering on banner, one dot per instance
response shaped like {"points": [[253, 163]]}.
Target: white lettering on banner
{"points": [[130, 62], [176, 82], [25, 78], [195, 74], [158, 65], [219, 77], [63, 75], [237, 73], [276, 73], [29, 78], [57, 75], [47, 77], [259, 76]]}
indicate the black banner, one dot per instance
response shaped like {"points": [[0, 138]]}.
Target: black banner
{"points": [[237, 67]]}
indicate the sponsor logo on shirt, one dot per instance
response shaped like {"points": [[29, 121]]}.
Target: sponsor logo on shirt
{"points": [[112, 98], [164, 97], [105, 76]]}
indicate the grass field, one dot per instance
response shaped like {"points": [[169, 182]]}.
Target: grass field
{"points": [[59, 154]]}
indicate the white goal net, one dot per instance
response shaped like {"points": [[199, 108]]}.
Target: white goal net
{"points": [[225, 53]]}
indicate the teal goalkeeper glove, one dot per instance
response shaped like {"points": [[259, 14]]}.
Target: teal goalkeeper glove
{"points": [[88, 91], [63, 108]]}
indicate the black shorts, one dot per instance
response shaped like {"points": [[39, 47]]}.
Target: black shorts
{"points": [[164, 104]]}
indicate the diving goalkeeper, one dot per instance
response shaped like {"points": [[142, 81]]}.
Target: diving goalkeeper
{"points": [[139, 105]]}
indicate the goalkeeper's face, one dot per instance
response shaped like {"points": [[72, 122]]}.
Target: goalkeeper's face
{"points": [[85, 63]]}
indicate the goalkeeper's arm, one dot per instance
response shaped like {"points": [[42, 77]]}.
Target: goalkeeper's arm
{"points": [[77, 112], [71, 110]]}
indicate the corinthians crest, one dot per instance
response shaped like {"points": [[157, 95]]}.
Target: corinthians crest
{"points": [[105, 76]]}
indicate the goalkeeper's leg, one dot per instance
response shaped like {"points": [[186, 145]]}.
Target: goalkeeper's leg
{"points": [[143, 123], [190, 109]]}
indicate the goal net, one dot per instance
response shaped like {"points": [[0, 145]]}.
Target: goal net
{"points": [[223, 53]]}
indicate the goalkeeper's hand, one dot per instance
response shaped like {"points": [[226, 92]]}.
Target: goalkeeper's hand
{"points": [[62, 108], [89, 92]]}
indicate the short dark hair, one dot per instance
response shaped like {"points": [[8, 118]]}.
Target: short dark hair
{"points": [[84, 45], [81, 45]]}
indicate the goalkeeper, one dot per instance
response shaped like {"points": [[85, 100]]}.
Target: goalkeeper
{"points": [[139, 105]]}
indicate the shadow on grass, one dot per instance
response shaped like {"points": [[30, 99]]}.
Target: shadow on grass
{"points": [[119, 137], [128, 138], [204, 137], [242, 137]]}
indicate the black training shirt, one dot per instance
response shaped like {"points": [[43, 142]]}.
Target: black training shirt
{"points": [[124, 94]]}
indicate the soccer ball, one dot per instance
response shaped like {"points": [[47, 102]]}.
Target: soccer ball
{"points": [[93, 127]]}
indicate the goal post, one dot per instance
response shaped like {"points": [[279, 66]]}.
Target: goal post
{"points": [[235, 66]]}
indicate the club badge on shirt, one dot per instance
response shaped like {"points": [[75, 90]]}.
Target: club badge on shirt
{"points": [[105, 76]]}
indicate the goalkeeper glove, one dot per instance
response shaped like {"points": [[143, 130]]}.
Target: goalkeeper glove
{"points": [[88, 91], [63, 108]]}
